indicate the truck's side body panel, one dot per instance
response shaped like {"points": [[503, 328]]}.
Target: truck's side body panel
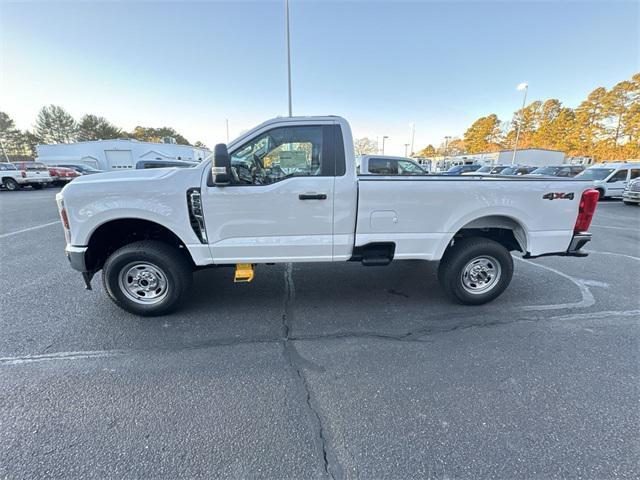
{"points": [[421, 215], [155, 195]]}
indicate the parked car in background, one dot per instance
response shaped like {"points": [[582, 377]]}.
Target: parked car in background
{"points": [[387, 165], [164, 164], [34, 174], [81, 169], [489, 170], [62, 175], [460, 169], [559, 170], [611, 179], [517, 170], [631, 194]]}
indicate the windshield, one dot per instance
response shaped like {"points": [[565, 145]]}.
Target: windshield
{"points": [[595, 173], [509, 171], [485, 169], [455, 169], [499, 169], [546, 170]]}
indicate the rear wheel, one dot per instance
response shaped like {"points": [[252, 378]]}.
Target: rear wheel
{"points": [[147, 278], [475, 270], [601, 192]]}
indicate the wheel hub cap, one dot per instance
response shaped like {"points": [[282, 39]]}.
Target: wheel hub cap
{"points": [[481, 274], [143, 283]]}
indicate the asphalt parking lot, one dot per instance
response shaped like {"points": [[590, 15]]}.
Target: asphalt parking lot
{"points": [[316, 371]]}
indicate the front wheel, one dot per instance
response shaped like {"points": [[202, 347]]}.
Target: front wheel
{"points": [[11, 185], [475, 270], [147, 278]]}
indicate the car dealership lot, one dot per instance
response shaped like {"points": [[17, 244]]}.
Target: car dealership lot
{"points": [[316, 370]]}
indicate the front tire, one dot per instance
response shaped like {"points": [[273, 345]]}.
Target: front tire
{"points": [[147, 278], [11, 185], [475, 270]]}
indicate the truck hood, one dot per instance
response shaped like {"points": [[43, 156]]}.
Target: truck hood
{"points": [[126, 175]]}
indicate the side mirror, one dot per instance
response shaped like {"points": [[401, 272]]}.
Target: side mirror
{"points": [[221, 169]]}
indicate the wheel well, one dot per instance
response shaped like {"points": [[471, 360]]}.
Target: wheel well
{"points": [[110, 236], [504, 230]]}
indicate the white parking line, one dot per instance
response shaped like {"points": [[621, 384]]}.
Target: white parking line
{"points": [[598, 315], [587, 296], [10, 234], [613, 253], [615, 228], [48, 357]]}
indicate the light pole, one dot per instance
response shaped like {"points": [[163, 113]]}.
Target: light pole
{"points": [[406, 147], [446, 144], [523, 86], [286, 3], [227, 123], [383, 139]]}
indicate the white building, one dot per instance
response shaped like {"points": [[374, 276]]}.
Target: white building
{"points": [[533, 157], [116, 154]]}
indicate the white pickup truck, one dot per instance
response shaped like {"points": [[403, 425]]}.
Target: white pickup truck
{"points": [[287, 191]]}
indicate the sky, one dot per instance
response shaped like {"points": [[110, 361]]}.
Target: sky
{"points": [[383, 65]]}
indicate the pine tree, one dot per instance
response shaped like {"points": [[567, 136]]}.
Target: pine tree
{"points": [[55, 125], [92, 127]]}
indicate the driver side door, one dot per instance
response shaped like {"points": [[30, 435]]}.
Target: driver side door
{"points": [[279, 206]]}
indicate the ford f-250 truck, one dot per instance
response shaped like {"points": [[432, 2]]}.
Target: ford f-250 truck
{"points": [[287, 191]]}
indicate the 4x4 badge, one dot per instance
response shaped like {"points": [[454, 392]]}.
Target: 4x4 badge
{"points": [[558, 195]]}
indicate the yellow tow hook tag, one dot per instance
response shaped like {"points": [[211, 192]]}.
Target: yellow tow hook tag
{"points": [[244, 273]]}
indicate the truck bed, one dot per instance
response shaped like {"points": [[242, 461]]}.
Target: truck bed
{"points": [[422, 214]]}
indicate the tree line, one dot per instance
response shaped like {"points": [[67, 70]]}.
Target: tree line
{"points": [[55, 125], [605, 126]]}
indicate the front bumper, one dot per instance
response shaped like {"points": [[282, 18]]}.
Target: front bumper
{"points": [[77, 257]]}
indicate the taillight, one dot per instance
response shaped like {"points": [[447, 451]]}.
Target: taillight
{"points": [[587, 208]]}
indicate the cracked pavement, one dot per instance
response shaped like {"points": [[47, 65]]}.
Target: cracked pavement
{"points": [[321, 371]]}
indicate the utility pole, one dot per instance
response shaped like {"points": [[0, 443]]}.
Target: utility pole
{"points": [[523, 86], [446, 144], [413, 135], [286, 3], [406, 147], [227, 123], [383, 139]]}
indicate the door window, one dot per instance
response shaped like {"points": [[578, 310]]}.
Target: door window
{"points": [[635, 173], [619, 176], [409, 168], [383, 166], [279, 154]]}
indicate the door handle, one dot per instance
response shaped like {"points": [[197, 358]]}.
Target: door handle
{"points": [[312, 196]]}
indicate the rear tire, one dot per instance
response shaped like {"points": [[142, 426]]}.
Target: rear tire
{"points": [[11, 185], [601, 192], [147, 278], [475, 270]]}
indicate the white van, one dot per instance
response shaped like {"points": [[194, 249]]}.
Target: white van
{"points": [[610, 179]]}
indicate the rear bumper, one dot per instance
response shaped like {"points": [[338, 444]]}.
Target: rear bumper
{"points": [[631, 197], [76, 256], [579, 240]]}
